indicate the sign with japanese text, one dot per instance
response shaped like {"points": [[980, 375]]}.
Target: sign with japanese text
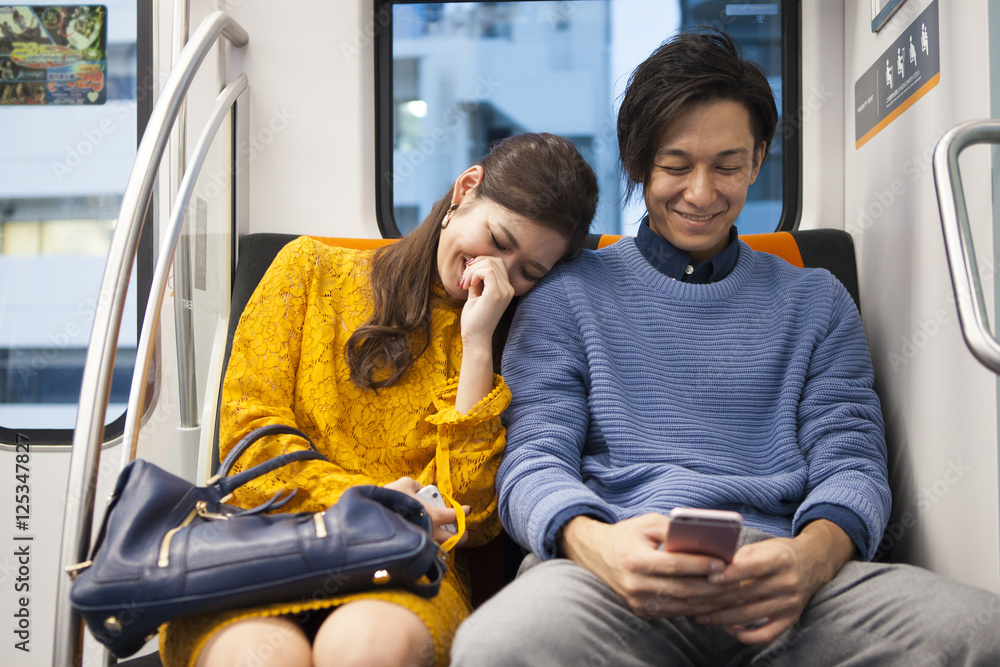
{"points": [[904, 73]]}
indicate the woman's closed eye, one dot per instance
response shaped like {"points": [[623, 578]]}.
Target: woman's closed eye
{"points": [[497, 243], [530, 277]]}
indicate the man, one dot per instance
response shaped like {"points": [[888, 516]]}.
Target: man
{"points": [[683, 369]]}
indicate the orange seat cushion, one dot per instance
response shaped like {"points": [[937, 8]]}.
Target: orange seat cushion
{"points": [[781, 244]]}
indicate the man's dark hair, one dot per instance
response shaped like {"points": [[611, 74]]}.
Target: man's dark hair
{"points": [[690, 68]]}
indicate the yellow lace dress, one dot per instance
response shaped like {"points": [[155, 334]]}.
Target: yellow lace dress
{"points": [[288, 366]]}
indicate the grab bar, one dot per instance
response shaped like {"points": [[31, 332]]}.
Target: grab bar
{"points": [[958, 237], [96, 383], [168, 244], [187, 401]]}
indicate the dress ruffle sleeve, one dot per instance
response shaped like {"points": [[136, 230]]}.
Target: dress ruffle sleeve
{"points": [[469, 448]]}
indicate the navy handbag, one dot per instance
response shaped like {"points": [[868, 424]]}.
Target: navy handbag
{"points": [[168, 548]]}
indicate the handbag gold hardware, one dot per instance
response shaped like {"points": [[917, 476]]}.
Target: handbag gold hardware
{"points": [[164, 560], [74, 570], [201, 507]]}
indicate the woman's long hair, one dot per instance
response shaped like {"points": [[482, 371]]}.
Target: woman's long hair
{"points": [[541, 177]]}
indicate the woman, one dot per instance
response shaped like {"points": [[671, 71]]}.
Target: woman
{"points": [[386, 360]]}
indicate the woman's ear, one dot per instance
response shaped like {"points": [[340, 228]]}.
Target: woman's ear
{"points": [[467, 183]]}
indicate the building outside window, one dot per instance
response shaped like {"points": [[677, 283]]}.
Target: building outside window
{"points": [[65, 159], [466, 74]]}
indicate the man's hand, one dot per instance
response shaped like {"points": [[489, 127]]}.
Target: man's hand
{"points": [[757, 597], [775, 579], [626, 556]]}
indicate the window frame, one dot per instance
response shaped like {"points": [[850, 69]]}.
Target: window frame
{"points": [[791, 57], [11, 437]]}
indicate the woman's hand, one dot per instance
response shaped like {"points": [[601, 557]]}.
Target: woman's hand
{"points": [[490, 293], [440, 516]]}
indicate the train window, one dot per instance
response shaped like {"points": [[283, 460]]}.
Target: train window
{"points": [[69, 135], [452, 77]]}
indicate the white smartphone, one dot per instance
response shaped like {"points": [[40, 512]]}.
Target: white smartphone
{"points": [[707, 532], [432, 496]]}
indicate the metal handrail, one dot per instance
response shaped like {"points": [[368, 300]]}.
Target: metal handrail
{"points": [[958, 241], [96, 383], [187, 401], [168, 244]]}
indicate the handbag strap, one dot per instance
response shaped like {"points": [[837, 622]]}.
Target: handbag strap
{"points": [[253, 436], [227, 483], [442, 459], [450, 543], [434, 574]]}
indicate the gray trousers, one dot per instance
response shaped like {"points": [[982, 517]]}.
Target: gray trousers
{"points": [[558, 613]]}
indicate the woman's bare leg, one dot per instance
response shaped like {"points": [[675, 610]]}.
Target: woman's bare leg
{"points": [[373, 633], [275, 641]]}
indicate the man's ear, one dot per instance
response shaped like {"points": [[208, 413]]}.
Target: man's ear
{"points": [[467, 183], [641, 182], [758, 159]]}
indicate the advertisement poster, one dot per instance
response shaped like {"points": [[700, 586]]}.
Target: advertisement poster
{"points": [[53, 54]]}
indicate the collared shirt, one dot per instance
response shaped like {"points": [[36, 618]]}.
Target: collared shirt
{"points": [[669, 260]]}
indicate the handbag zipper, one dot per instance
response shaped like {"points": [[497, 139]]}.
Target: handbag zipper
{"points": [[165, 544], [200, 509]]}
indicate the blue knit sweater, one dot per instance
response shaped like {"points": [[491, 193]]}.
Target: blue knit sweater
{"points": [[635, 393]]}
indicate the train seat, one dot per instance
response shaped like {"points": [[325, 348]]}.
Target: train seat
{"points": [[830, 249], [496, 563]]}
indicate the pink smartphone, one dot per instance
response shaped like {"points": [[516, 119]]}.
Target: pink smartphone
{"points": [[706, 532]]}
